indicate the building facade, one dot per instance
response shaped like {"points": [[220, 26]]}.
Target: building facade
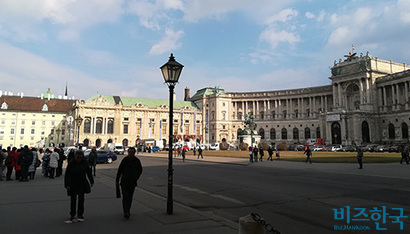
{"points": [[34, 121], [128, 120], [367, 102]]}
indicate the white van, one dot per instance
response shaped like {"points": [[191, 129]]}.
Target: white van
{"points": [[118, 148]]}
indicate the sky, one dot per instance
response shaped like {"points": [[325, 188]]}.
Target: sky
{"points": [[115, 47]]}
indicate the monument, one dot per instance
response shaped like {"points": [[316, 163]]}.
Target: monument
{"points": [[249, 136]]}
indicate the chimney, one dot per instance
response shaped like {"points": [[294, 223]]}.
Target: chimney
{"points": [[186, 97]]}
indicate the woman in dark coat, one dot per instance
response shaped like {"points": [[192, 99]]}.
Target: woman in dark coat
{"points": [[76, 183]]}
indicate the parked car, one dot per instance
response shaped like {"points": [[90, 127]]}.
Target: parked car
{"points": [[155, 149], [394, 149], [381, 148], [348, 148], [369, 148], [299, 148], [102, 156], [319, 148]]}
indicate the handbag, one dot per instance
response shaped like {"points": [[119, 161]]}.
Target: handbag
{"points": [[38, 163]]}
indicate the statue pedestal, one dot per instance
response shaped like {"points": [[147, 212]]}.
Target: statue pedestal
{"points": [[248, 139]]}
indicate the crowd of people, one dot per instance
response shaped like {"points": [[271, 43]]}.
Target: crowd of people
{"points": [[255, 151]]}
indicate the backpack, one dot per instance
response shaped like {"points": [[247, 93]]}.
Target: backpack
{"points": [[9, 160]]}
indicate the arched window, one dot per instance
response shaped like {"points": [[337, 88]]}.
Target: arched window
{"points": [[98, 126], [318, 132], [87, 126], [307, 133], [109, 141], [262, 133], [284, 134], [404, 131], [272, 134], [125, 142], [86, 142], [295, 134], [392, 134], [98, 143], [238, 132], [110, 127]]}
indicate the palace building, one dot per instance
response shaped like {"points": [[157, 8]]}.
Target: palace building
{"points": [[367, 102]]}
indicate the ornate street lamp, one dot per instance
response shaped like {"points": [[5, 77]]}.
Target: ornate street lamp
{"points": [[58, 131], [171, 72], [78, 122]]}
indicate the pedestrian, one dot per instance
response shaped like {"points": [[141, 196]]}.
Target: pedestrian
{"points": [[194, 150], [3, 156], [200, 152], [54, 157], [270, 152], [17, 164], [128, 173], [261, 153], [308, 153], [250, 154], [70, 156], [179, 151], [62, 157], [255, 153], [46, 163], [360, 157], [33, 166], [92, 160], [9, 162], [76, 183], [405, 155], [183, 154], [26, 159], [277, 153]]}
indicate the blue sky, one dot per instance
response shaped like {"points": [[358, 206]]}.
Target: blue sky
{"points": [[115, 47]]}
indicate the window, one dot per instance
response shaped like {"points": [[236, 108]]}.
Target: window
{"points": [[125, 128], [223, 115], [272, 134], [13, 122], [63, 131], [23, 122], [33, 122], [186, 130], [3, 121], [126, 119], [22, 131], [98, 126], [262, 133], [43, 123], [307, 133], [110, 127], [12, 131], [52, 132], [164, 129], [284, 134], [43, 131], [52, 123], [32, 138], [318, 132], [87, 126], [295, 134], [1, 131]]}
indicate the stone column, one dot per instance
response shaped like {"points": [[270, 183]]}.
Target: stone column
{"points": [[103, 126], [406, 94], [368, 84], [384, 99], [340, 94], [380, 96], [269, 112], [393, 98], [361, 91]]}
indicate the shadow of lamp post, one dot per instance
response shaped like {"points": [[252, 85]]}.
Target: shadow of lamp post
{"points": [[171, 72]]}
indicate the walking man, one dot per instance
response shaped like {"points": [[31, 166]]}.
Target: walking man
{"points": [[128, 173], [405, 155], [92, 160], [360, 157], [200, 152], [308, 153], [270, 152]]}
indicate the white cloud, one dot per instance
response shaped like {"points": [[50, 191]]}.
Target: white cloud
{"points": [[282, 16], [274, 37], [310, 15], [321, 16], [168, 43], [404, 9]]}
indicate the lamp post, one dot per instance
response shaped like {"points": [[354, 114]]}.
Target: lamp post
{"points": [[58, 131], [171, 72], [78, 121]]}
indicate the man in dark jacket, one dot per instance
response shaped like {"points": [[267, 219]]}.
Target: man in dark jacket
{"points": [[76, 183], [92, 159], [26, 158], [129, 172]]}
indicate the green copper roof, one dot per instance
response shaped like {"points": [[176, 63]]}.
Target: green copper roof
{"points": [[131, 101], [208, 91]]}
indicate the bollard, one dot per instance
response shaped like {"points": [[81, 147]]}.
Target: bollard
{"points": [[247, 225]]}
